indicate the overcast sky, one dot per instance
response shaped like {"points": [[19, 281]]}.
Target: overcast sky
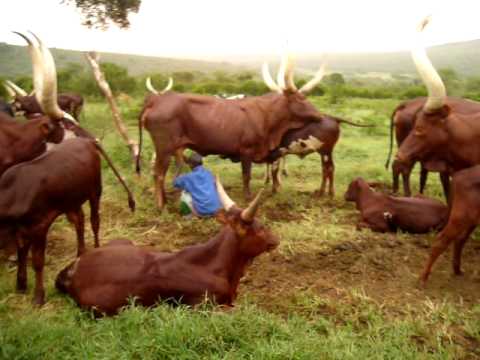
{"points": [[212, 28]]}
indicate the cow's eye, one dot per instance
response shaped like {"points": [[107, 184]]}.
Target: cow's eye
{"points": [[419, 131]]}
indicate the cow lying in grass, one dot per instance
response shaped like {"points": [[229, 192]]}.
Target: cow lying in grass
{"points": [[463, 219], [105, 278], [385, 213]]}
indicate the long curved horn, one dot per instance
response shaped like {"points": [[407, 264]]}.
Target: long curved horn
{"points": [[249, 213], [426, 70], [305, 89], [49, 94], [281, 72], [222, 194], [17, 89], [149, 86], [289, 67], [37, 68], [10, 91], [268, 80]]}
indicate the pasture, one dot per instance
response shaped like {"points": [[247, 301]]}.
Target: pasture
{"points": [[328, 291]]}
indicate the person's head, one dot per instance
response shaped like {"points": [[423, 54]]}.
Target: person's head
{"points": [[194, 160]]}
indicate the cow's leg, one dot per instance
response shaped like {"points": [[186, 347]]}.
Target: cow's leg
{"points": [[95, 218], [77, 218], [38, 261], [457, 250], [454, 230], [329, 169], [23, 245], [161, 166], [275, 176], [179, 162], [423, 178], [445, 180], [246, 174], [267, 173], [406, 182], [283, 166]]}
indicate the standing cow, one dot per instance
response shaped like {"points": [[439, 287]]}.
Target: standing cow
{"points": [[71, 103], [441, 131], [244, 130], [403, 122]]}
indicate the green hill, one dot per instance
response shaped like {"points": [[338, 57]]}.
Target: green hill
{"points": [[463, 57]]}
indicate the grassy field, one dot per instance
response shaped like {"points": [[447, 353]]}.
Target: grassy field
{"points": [[328, 292]]}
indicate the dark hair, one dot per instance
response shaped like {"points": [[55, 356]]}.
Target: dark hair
{"points": [[194, 160]]}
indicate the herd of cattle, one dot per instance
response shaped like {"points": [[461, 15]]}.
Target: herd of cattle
{"points": [[50, 165]]}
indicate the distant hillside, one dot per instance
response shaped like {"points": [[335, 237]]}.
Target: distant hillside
{"points": [[463, 57], [15, 61]]}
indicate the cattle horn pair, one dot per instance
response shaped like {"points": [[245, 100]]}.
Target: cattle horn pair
{"points": [[430, 77], [285, 81], [247, 214], [149, 86], [13, 89], [44, 78]]}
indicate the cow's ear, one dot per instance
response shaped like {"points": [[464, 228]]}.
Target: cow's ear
{"points": [[222, 217], [45, 128]]}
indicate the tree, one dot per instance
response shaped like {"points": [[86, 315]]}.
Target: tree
{"points": [[334, 79], [99, 13]]}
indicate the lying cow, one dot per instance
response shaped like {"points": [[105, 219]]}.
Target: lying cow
{"points": [[385, 213], [105, 278], [36, 192], [463, 219]]}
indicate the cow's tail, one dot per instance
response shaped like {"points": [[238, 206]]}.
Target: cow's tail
{"points": [[387, 163], [64, 278], [131, 201], [140, 139], [339, 120]]}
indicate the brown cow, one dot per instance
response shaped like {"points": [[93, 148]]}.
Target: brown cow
{"points": [[242, 130], [440, 131], [403, 120], [71, 103], [463, 219], [385, 213], [36, 192], [105, 278]]}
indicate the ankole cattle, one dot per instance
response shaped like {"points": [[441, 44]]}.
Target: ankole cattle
{"points": [[320, 137], [36, 192], [463, 219], [402, 123], [385, 213], [69, 102], [441, 131], [105, 278], [243, 130]]}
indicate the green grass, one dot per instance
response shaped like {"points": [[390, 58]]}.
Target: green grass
{"points": [[329, 291]]}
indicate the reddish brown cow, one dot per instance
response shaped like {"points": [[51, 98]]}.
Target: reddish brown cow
{"points": [[36, 192], [441, 132], [385, 213], [316, 136], [403, 120], [463, 219], [242, 130], [69, 102], [105, 278]]}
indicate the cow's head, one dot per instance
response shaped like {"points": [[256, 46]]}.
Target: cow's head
{"points": [[430, 133], [298, 105], [354, 189], [45, 87], [252, 237]]}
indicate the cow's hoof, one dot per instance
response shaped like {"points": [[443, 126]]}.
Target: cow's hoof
{"points": [[38, 300]]}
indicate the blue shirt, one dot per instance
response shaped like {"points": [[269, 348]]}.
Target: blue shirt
{"points": [[200, 183]]}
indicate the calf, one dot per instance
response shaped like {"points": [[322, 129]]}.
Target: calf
{"points": [[385, 213], [105, 278], [463, 219], [36, 192]]}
